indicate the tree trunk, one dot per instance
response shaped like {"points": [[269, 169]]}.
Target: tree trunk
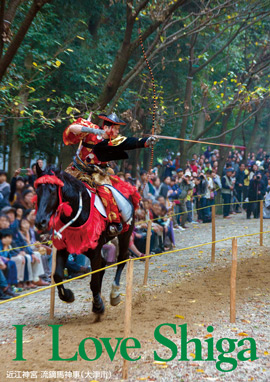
{"points": [[15, 149], [187, 102], [254, 132], [15, 155]]}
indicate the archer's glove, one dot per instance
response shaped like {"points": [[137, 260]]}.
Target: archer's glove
{"points": [[151, 141]]}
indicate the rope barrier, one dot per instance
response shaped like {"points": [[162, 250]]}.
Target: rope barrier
{"points": [[125, 261], [195, 209], [49, 242]]}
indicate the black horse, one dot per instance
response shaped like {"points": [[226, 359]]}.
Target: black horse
{"points": [[47, 204]]}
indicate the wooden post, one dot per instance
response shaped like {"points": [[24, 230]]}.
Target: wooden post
{"points": [[128, 309], [233, 280], [261, 222], [52, 282], [147, 251], [213, 253]]}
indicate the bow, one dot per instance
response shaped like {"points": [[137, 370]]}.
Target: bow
{"points": [[154, 97]]}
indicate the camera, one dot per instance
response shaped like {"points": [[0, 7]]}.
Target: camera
{"points": [[258, 177], [201, 177]]}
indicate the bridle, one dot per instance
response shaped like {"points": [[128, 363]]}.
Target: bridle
{"points": [[63, 207]]}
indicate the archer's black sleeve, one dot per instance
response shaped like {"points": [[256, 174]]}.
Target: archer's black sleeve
{"points": [[132, 143], [106, 152]]}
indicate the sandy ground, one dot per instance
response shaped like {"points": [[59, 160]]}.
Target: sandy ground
{"points": [[183, 288]]}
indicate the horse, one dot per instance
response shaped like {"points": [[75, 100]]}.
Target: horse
{"points": [[56, 188]]}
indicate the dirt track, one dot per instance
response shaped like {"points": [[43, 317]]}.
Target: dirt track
{"points": [[185, 284]]}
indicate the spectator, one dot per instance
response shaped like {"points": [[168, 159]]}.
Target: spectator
{"points": [[14, 262], [16, 186], [3, 283], [176, 161], [4, 190], [239, 185], [207, 153], [185, 185], [256, 192], [165, 187], [34, 267], [227, 191]]}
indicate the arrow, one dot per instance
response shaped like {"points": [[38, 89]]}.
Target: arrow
{"points": [[202, 142]]}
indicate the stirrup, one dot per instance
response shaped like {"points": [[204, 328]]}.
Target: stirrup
{"points": [[115, 229]]}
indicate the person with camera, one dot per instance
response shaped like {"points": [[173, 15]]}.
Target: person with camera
{"points": [[255, 193], [227, 191]]}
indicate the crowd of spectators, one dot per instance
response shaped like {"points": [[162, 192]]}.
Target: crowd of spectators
{"points": [[175, 195]]}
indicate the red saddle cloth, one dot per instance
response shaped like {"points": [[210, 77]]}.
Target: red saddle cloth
{"points": [[80, 239]]}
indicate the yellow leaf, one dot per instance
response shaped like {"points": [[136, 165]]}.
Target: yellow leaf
{"points": [[16, 103], [218, 106], [159, 363], [266, 353], [34, 64], [70, 50], [200, 371], [81, 38], [180, 59], [215, 82], [208, 336], [22, 112], [57, 63], [192, 355], [242, 334], [178, 316], [48, 99], [212, 69], [164, 270]]}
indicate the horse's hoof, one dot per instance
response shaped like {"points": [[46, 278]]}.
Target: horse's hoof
{"points": [[67, 297], [98, 309], [115, 300]]}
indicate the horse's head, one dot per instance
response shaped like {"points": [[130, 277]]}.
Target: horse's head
{"points": [[47, 185]]}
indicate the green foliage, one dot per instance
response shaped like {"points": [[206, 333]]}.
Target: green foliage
{"points": [[68, 53]]}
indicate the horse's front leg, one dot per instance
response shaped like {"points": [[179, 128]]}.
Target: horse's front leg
{"points": [[95, 284], [63, 293]]}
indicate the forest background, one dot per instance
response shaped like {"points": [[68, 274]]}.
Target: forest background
{"points": [[61, 59]]}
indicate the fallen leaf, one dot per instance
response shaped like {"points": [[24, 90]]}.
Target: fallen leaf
{"points": [[159, 363], [242, 334], [266, 353], [192, 355], [178, 316], [200, 371]]}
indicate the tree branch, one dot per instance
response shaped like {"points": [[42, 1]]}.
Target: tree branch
{"points": [[239, 124], [18, 38]]}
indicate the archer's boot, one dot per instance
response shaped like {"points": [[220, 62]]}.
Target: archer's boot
{"points": [[115, 229]]}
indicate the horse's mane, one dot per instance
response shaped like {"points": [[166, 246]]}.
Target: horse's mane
{"points": [[71, 184]]}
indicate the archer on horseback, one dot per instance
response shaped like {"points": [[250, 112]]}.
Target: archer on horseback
{"points": [[97, 147]]}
